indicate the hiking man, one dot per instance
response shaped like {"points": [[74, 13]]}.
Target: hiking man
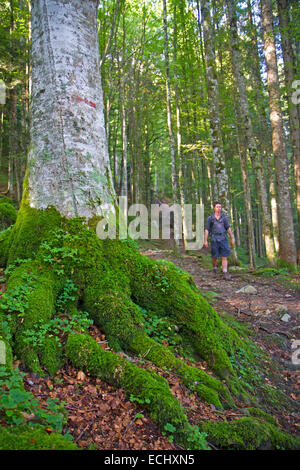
{"points": [[217, 226]]}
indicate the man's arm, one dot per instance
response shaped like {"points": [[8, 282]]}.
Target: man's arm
{"points": [[229, 231], [206, 232]]}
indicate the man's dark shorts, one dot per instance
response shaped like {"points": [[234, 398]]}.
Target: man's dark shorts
{"points": [[220, 249]]}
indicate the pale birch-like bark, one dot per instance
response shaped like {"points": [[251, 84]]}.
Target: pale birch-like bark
{"points": [[248, 203], [169, 113], [221, 177], [214, 110], [68, 164], [287, 246], [179, 140], [264, 131], [289, 72], [168, 95], [248, 130]]}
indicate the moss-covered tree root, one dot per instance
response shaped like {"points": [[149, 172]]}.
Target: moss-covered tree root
{"points": [[43, 251], [151, 389], [249, 434], [32, 438]]}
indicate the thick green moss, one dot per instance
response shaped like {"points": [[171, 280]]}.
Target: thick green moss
{"points": [[31, 228], [4, 245], [86, 354], [165, 289], [31, 295], [27, 437], [8, 214], [258, 413], [248, 434], [51, 355]]}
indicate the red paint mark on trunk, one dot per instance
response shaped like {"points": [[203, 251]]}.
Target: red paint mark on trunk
{"points": [[78, 98]]}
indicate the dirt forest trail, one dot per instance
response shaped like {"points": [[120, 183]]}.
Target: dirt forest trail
{"points": [[271, 312]]}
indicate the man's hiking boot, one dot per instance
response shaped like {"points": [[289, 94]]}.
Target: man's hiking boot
{"points": [[227, 276], [215, 272]]}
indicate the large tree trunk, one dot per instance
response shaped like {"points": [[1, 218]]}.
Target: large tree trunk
{"points": [[68, 160], [287, 246]]}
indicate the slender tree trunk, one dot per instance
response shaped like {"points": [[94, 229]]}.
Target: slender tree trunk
{"points": [[169, 112], [264, 131], [248, 130], [214, 110], [12, 139], [222, 186], [179, 138], [1, 134], [111, 34], [124, 191], [287, 246], [289, 69], [248, 203]]}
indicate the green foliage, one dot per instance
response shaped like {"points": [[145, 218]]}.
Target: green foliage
{"points": [[270, 272], [67, 295], [194, 438], [12, 266], [18, 406], [140, 401], [210, 296], [161, 329], [54, 252], [16, 302]]}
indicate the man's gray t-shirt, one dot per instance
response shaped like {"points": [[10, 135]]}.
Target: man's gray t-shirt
{"points": [[217, 227]]}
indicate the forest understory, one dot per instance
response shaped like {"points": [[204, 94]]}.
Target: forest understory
{"points": [[102, 417]]}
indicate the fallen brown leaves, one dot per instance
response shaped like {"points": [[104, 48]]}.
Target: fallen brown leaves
{"points": [[99, 414]]}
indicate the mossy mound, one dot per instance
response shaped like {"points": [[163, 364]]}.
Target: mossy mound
{"points": [[45, 252], [8, 213], [249, 434], [27, 437]]}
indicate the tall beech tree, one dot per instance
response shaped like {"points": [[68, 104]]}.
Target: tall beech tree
{"points": [[222, 185], [248, 130], [294, 118], [287, 245]]}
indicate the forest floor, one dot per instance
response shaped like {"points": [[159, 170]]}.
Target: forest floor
{"points": [[102, 417]]}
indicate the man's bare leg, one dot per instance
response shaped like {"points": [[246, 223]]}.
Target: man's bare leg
{"points": [[215, 264], [225, 268], [224, 264]]}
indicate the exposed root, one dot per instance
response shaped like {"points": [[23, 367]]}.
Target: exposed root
{"points": [[44, 251]]}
